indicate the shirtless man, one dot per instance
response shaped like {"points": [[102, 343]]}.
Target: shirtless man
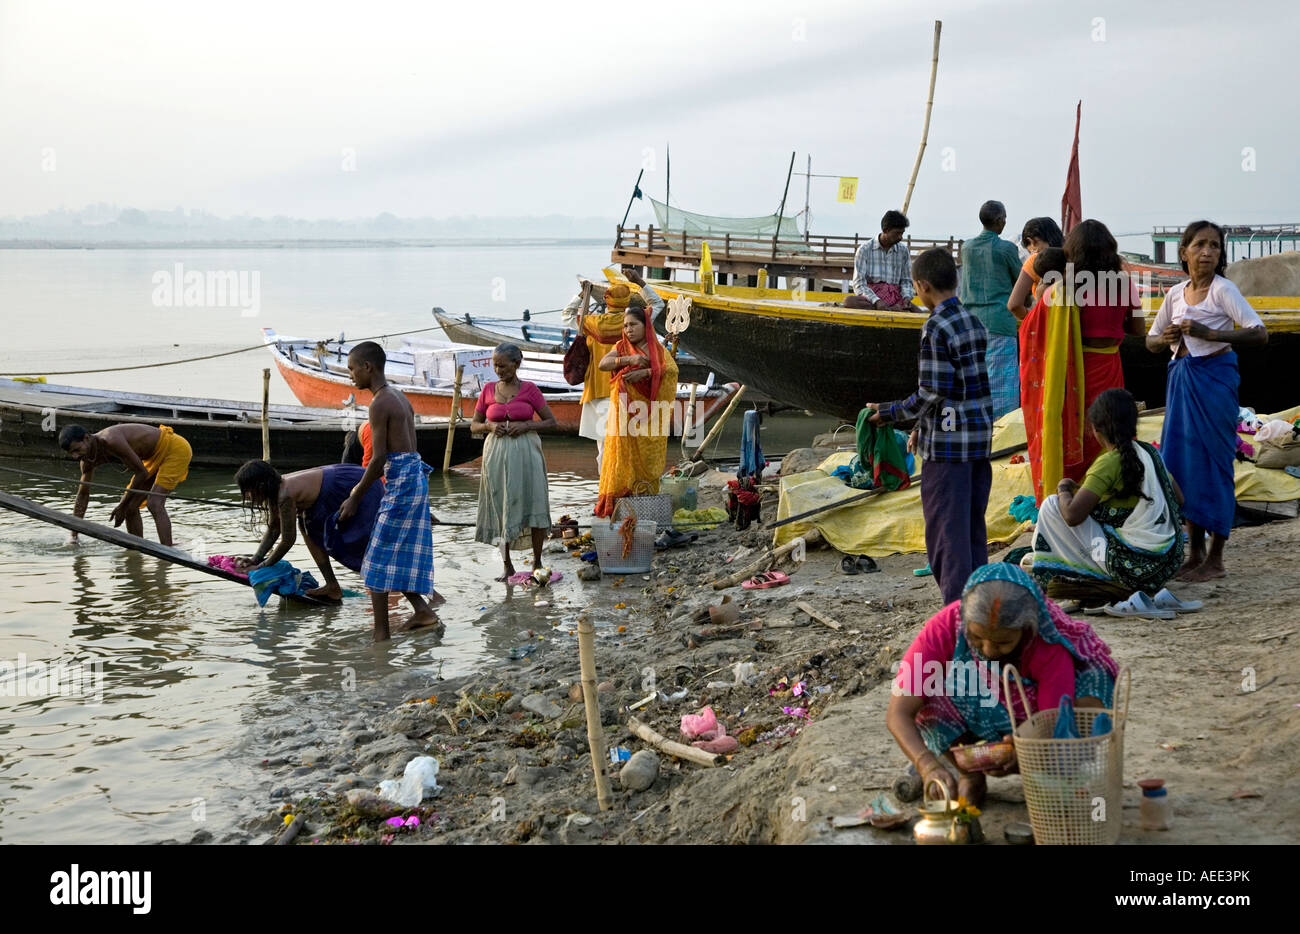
{"points": [[309, 498], [158, 457], [400, 553]]}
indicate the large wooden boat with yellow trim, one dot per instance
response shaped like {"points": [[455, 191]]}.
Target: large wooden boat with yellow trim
{"points": [[807, 350]]}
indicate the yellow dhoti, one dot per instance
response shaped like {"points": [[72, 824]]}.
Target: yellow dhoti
{"points": [[169, 464]]}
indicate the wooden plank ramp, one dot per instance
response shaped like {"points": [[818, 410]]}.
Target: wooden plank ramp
{"points": [[126, 540]]}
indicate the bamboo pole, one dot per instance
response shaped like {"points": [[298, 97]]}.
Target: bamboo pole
{"points": [[780, 213], [717, 426], [688, 423], [668, 747], [925, 130], [453, 418], [266, 409], [595, 735], [768, 558]]}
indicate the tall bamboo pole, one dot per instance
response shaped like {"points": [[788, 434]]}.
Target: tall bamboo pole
{"points": [[453, 418], [266, 411], [595, 735], [925, 130]]}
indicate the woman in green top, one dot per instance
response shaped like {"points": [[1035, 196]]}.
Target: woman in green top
{"points": [[1122, 525]]}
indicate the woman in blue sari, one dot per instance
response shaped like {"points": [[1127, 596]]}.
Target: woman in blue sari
{"points": [[1201, 321]]}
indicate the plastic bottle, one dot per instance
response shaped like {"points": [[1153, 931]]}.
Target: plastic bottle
{"points": [[1155, 810]]}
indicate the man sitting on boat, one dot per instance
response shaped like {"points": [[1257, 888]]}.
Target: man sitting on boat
{"points": [[159, 458], [882, 269]]}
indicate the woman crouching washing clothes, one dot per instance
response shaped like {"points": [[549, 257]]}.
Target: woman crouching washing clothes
{"points": [[948, 688]]}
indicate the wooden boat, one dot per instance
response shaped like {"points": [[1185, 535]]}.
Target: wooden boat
{"points": [[528, 336], [424, 372], [489, 332], [222, 433], [827, 358]]}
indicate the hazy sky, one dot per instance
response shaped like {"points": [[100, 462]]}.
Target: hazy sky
{"points": [[537, 108]]}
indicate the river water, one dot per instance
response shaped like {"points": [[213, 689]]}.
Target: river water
{"points": [[194, 675]]}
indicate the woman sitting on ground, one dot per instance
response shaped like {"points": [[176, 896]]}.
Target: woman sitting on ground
{"points": [[1122, 525], [948, 690], [309, 499], [641, 397], [512, 496]]}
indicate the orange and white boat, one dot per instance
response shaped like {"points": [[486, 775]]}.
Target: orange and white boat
{"points": [[425, 372]]}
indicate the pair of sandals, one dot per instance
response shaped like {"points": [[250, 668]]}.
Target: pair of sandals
{"points": [[671, 538], [858, 564], [1139, 606]]}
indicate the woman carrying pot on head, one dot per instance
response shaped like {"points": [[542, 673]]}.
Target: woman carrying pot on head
{"points": [[948, 689], [512, 497]]}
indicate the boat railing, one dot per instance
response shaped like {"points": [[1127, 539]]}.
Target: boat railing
{"points": [[723, 245]]}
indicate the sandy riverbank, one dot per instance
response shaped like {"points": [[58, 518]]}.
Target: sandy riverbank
{"points": [[511, 775]]}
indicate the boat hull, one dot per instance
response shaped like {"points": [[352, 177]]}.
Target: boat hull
{"points": [[25, 421], [833, 360]]}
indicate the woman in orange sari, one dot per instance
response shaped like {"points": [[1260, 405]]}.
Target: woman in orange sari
{"points": [[641, 397]]}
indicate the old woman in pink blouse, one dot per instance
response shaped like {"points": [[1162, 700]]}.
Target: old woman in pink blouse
{"points": [[512, 495]]}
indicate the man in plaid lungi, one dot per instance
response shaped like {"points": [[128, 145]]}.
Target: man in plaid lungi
{"points": [[400, 553]]}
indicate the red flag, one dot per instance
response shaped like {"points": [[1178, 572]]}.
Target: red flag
{"points": [[1071, 212]]}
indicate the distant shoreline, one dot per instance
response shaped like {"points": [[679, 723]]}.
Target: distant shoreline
{"points": [[405, 243]]}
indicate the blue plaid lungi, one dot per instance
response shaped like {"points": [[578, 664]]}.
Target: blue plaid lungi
{"points": [[400, 553]]}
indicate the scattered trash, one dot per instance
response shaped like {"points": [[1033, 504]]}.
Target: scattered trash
{"points": [[679, 696], [522, 651], [419, 778], [744, 673], [800, 712], [719, 746], [619, 754], [397, 822], [643, 701], [798, 689], [1243, 793]]}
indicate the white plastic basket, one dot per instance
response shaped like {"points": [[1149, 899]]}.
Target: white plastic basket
{"points": [[609, 547]]}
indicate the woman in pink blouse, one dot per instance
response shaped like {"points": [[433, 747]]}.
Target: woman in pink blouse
{"points": [[512, 491]]}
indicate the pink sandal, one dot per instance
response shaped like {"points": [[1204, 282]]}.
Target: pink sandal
{"points": [[765, 580]]}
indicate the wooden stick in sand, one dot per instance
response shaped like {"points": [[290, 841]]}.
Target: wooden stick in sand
{"points": [[821, 618], [595, 735], [266, 425], [453, 418], [770, 557], [677, 750]]}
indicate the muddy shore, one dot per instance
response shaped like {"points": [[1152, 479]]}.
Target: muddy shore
{"points": [[1215, 712]]}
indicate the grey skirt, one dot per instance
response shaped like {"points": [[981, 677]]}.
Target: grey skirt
{"points": [[512, 495]]}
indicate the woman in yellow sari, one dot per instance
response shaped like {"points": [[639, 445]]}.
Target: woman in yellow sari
{"points": [[641, 399]]}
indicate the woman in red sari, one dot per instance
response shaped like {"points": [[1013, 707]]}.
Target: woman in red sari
{"points": [[641, 397]]}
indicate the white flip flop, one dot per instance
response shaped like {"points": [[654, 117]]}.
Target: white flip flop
{"points": [[1165, 600], [1138, 606]]}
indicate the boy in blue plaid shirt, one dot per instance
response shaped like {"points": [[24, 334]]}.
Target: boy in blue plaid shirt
{"points": [[953, 408]]}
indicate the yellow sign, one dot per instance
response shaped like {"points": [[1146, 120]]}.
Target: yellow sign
{"points": [[848, 190]]}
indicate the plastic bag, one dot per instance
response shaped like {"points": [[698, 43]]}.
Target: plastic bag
{"points": [[694, 725], [420, 778]]}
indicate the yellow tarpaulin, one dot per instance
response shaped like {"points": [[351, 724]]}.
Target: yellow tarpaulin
{"points": [[891, 523]]}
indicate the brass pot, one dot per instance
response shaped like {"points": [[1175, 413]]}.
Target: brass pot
{"points": [[939, 823]]}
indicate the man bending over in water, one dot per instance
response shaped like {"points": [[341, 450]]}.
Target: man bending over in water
{"points": [[400, 553], [159, 457]]}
